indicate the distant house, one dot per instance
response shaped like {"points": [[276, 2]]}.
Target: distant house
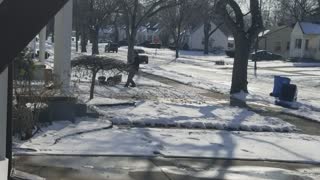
{"points": [[122, 33], [231, 43], [144, 33], [148, 33], [218, 40], [305, 41], [276, 40], [106, 34]]}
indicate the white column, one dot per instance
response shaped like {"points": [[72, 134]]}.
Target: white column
{"points": [[62, 47], [42, 44], [3, 124]]}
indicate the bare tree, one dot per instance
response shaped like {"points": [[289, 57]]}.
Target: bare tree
{"points": [[206, 9], [100, 11], [176, 20], [244, 37], [95, 64], [136, 12], [292, 11], [76, 24], [82, 13]]}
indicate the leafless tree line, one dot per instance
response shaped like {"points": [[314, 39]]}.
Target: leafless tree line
{"points": [[244, 19]]}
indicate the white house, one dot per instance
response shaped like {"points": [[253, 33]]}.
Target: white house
{"points": [[144, 33], [305, 41], [218, 40], [148, 33], [231, 43], [276, 40]]}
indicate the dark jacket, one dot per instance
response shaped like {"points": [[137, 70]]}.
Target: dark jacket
{"points": [[134, 67]]}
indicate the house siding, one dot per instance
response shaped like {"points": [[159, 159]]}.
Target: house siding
{"points": [[313, 51], [297, 34], [218, 39], [277, 41]]}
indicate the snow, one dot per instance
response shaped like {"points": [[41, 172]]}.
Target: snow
{"points": [[198, 70], [240, 96], [203, 73], [306, 112], [240, 173], [159, 105], [310, 28], [210, 116], [179, 110], [108, 101], [180, 143], [263, 33], [3, 169]]}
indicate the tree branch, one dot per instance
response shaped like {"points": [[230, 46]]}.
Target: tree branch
{"points": [[214, 30]]}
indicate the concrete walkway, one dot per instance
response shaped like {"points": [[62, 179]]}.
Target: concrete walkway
{"points": [[135, 168]]}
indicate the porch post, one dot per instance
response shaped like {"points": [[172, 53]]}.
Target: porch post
{"points": [[3, 124], [62, 47], [42, 44]]}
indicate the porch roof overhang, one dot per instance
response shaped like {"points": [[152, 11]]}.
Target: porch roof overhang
{"points": [[21, 21]]}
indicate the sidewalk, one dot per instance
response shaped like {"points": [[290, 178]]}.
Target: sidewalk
{"points": [[151, 142], [129, 168]]}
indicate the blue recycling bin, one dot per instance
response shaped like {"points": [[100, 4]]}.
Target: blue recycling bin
{"points": [[279, 81]]}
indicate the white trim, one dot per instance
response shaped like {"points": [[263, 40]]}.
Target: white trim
{"points": [[4, 169], [3, 112], [62, 48], [42, 44]]}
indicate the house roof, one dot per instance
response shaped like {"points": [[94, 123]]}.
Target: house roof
{"points": [[310, 28], [273, 30], [223, 28], [263, 33]]}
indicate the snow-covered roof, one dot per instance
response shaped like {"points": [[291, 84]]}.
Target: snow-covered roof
{"points": [[230, 38], [264, 33], [310, 28]]}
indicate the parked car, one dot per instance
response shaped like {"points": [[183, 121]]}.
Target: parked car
{"points": [[143, 57], [264, 55], [123, 43], [230, 53], [149, 44], [111, 47]]}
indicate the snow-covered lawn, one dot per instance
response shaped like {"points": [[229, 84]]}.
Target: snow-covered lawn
{"points": [[161, 105], [201, 71], [203, 116], [177, 110], [174, 143]]}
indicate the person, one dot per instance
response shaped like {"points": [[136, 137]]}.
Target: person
{"points": [[133, 69]]}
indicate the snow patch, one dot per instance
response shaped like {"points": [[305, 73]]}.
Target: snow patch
{"points": [[198, 116]]}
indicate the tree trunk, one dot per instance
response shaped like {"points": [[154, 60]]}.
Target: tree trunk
{"points": [[84, 39], [93, 82], [206, 29], [131, 42], [95, 40], [177, 51], [240, 67], [116, 32], [77, 39], [177, 43]]}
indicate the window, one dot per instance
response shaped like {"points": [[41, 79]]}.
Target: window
{"points": [[307, 44], [298, 43]]}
